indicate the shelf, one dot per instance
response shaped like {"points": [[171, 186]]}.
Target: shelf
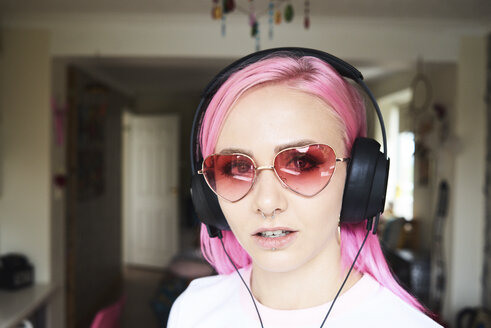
{"points": [[17, 305]]}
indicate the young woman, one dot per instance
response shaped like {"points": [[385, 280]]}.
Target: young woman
{"points": [[276, 139]]}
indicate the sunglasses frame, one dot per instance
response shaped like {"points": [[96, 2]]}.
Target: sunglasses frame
{"points": [[271, 167]]}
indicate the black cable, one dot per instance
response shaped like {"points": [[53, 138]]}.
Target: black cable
{"points": [[345, 279], [369, 228], [237, 270]]}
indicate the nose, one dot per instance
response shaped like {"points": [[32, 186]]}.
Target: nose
{"points": [[268, 193]]}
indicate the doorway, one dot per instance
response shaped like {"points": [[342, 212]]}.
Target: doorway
{"points": [[93, 211], [150, 180]]}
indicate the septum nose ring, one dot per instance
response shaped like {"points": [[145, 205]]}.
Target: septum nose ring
{"points": [[272, 217], [264, 216]]}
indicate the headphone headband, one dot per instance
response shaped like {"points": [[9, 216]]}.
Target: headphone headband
{"points": [[345, 69], [339, 65]]}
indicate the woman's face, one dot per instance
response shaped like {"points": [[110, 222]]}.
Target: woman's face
{"points": [[265, 120]]}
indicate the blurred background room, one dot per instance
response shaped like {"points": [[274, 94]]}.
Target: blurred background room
{"points": [[96, 104]]}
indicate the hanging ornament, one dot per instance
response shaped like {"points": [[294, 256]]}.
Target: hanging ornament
{"points": [[252, 19], [216, 12], [252, 15], [289, 13], [306, 20], [306, 23], [270, 19], [224, 27], [277, 17], [277, 10], [254, 29], [258, 39], [59, 116], [228, 6]]}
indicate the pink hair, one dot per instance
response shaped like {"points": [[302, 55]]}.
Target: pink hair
{"points": [[316, 77]]}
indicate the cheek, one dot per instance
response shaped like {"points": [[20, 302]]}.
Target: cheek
{"points": [[322, 215], [332, 196], [236, 217], [325, 207]]}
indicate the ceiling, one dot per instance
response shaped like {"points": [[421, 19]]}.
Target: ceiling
{"points": [[434, 9], [163, 76], [181, 76]]}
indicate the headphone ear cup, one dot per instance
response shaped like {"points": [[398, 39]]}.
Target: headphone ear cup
{"points": [[206, 205], [366, 182]]}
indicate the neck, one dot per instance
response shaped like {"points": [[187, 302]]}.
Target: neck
{"points": [[311, 284]]}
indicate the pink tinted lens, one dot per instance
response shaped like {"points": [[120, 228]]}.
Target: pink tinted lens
{"points": [[306, 170], [230, 176]]}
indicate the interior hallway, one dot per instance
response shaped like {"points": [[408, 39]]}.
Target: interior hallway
{"points": [[140, 287]]}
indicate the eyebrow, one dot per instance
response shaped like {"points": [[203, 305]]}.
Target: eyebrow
{"points": [[296, 143]]}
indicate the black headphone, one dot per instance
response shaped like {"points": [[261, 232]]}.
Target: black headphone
{"points": [[367, 172]]}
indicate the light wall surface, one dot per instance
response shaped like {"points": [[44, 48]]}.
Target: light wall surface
{"points": [[199, 36], [467, 196], [25, 211]]}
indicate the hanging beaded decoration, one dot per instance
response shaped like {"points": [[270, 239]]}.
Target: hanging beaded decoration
{"points": [[252, 18], [224, 26], [277, 10], [289, 13], [227, 7], [306, 20], [258, 39], [277, 16], [270, 18], [216, 10], [254, 24]]}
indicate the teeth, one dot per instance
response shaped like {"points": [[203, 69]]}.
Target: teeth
{"points": [[275, 233]]}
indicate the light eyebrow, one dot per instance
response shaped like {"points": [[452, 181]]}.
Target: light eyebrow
{"points": [[297, 143], [235, 150]]}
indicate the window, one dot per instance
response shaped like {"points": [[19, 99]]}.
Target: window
{"points": [[400, 144]]}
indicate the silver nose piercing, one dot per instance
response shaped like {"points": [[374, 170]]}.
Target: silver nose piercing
{"points": [[272, 216]]}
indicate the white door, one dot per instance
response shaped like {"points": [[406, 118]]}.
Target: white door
{"points": [[151, 189]]}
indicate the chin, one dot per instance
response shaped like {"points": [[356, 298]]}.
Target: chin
{"points": [[276, 261]]}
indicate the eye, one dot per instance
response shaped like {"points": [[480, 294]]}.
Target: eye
{"points": [[238, 167], [241, 167], [302, 162]]}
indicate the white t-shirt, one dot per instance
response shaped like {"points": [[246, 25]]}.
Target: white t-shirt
{"points": [[223, 302]]}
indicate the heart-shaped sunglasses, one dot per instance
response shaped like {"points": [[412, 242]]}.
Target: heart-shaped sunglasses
{"points": [[305, 170]]}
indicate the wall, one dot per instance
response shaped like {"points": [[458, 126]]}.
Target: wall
{"points": [[198, 35], [487, 256], [25, 211], [466, 230]]}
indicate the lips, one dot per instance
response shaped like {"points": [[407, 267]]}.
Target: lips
{"points": [[276, 238], [267, 230]]}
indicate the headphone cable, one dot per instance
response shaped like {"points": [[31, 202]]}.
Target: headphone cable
{"points": [[237, 270], [345, 279], [369, 228]]}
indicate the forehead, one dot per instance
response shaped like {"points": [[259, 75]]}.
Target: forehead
{"points": [[268, 116]]}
